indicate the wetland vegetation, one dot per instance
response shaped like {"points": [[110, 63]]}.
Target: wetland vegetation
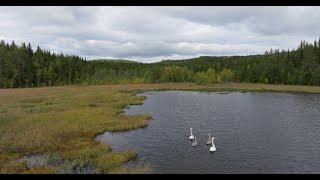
{"points": [[63, 121]]}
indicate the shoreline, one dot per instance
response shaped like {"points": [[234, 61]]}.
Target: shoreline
{"points": [[230, 87]]}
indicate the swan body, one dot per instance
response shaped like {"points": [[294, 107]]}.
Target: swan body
{"points": [[195, 142], [191, 137], [213, 147], [209, 140]]}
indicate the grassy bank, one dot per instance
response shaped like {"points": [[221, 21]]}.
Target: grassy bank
{"points": [[242, 87], [61, 123], [44, 121]]}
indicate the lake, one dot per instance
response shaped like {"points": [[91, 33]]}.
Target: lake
{"points": [[254, 132]]}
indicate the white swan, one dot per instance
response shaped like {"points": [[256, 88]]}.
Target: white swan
{"points": [[195, 141], [213, 147], [209, 140], [191, 137]]}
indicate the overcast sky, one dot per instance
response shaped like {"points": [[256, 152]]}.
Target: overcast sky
{"points": [[149, 34]]}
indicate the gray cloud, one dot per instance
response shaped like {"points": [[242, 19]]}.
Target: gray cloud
{"points": [[150, 34]]}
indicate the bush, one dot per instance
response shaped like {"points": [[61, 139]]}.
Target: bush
{"points": [[227, 75], [176, 74], [208, 77]]}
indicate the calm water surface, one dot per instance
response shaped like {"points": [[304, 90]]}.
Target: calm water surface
{"points": [[255, 133]]}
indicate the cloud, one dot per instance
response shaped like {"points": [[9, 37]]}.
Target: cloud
{"points": [[151, 34]]}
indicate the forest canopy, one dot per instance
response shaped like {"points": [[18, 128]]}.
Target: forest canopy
{"points": [[21, 66]]}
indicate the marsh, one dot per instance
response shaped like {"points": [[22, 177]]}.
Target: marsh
{"points": [[63, 122]]}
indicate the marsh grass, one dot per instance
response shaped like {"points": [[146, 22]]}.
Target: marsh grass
{"points": [[3, 109], [40, 170], [248, 87], [113, 161], [137, 170], [62, 122]]}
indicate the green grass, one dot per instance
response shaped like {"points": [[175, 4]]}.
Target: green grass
{"points": [[62, 122], [3, 110]]}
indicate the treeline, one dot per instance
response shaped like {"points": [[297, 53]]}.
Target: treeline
{"points": [[299, 66], [20, 66]]}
